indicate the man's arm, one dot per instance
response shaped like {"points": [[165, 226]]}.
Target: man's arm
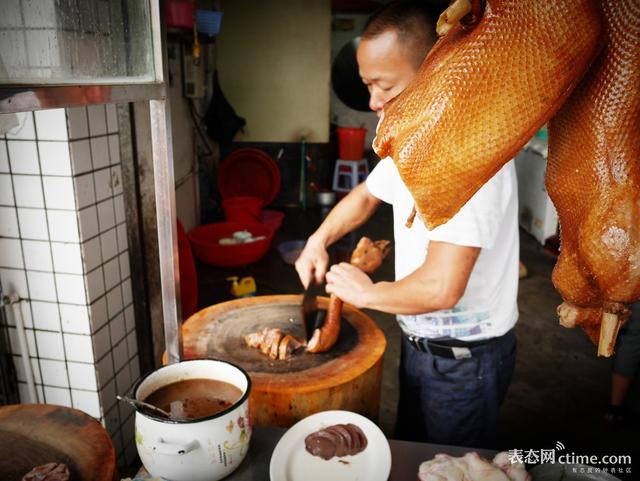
{"points": [[349, 214], [438, 284]]}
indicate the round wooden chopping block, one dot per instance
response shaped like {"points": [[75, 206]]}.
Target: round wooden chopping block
{"points": [[35, 434], [283, 392]]}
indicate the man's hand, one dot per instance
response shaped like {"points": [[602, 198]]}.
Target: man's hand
{"points": [[350, 213], [349, 283], [312, 263]]}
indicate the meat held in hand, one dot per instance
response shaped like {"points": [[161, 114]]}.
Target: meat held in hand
{"points": [[367, 256]]}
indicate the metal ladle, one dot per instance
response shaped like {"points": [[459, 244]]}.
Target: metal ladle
{"points": [[143, 405]]}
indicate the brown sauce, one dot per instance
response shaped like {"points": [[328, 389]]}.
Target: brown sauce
{"points": [[194, 398]]}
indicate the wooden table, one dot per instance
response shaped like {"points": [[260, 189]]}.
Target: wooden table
{"points": [[405, 456]]}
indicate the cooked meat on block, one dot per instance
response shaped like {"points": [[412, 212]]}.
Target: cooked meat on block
{"points": [[274, 343]]}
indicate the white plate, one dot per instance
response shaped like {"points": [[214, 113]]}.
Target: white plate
{"points": [[290, 460]]}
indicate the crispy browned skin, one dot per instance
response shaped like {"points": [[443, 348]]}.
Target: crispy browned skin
{"points": [[288, 345], [480, 95], [368, 256], [593, 178], [326, 336]]}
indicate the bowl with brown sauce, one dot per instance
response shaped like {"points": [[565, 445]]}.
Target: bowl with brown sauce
{"points": [[208, 431]]}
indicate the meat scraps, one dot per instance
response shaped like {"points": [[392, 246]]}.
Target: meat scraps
{"points": [[48, 472]]}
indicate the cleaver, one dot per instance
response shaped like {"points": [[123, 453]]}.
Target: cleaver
{"points": [[312, 317]]}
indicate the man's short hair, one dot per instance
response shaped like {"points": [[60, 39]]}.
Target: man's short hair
{"points": [[411, 21]]}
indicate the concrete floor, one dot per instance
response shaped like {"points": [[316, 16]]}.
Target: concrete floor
{"points": [[560, 388]]}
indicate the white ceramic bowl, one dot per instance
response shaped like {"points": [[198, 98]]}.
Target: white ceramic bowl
{"points": [[327, 198], [205, 449]]}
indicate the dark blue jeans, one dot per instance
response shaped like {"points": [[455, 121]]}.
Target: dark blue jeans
{"points": [[454, 401]]}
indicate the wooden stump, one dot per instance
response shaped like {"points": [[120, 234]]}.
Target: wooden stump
{"points": [[283, 392], [36, 434]]}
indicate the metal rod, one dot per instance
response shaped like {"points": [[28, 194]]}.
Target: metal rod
{"points": [[8, 383], [16, 305], [156, 41], [166, 219], [303, 173]]}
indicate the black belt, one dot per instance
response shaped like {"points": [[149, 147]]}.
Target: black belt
{"points": [[447, 347]]}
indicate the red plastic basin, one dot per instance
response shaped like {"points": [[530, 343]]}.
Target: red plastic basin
{"points": [[272, 219], [204, 240], [242, 208]]}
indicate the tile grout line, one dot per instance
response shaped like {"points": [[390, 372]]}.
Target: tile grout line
{"points": [[69, 140], [26, 207], [26, 278], [122, 281], [76, 305], [80, 243], [107, 324], [55, 280], [75, 333], [93, 204], [79, 230], [115, 380], [126, 346], [73, 175], [61, 242]]}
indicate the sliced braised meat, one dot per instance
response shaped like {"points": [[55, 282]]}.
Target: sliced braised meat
{"points": [[321, 446], [359, 433], [288, 345], [344, 447], [274, 343], [273, 335], [255, 339], [354, 432], [337, 440]]}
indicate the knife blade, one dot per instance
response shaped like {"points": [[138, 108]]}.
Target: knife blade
{"points": [[310, 308]]}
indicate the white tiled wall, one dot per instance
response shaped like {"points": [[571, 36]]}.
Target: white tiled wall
{"points": [[63, 249]]}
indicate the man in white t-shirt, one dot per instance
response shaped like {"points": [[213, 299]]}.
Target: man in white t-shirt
{"points": [[456, 285]]}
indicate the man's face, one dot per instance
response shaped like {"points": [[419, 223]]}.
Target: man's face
{"points": [[385, 68]]}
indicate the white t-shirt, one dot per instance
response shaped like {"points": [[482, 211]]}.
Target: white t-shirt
{"points": [[488, 307]]}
